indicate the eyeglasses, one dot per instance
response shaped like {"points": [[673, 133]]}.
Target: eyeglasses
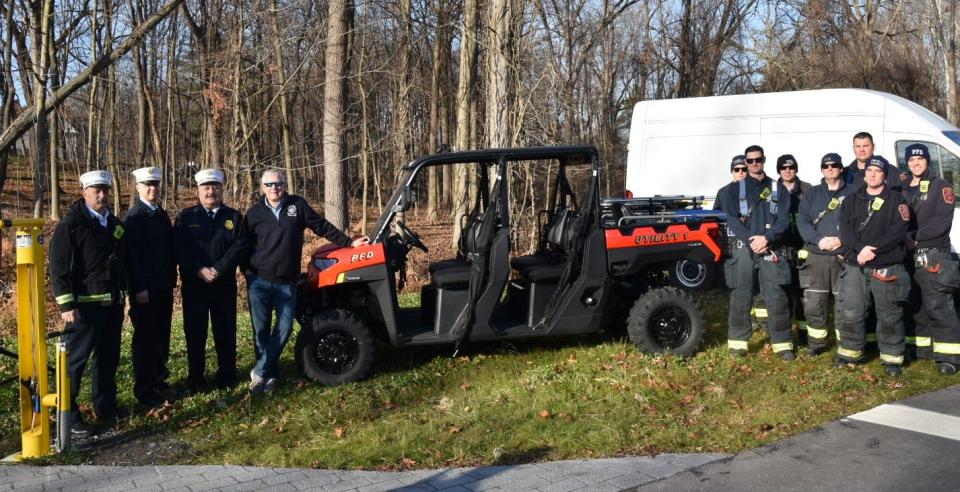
{"points": [[739, 169], [788, 168], [831, 165], [758, 160], [274, 184]]}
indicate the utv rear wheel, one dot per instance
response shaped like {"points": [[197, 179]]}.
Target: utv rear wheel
{"points": [[666, 320], [335, 347]]}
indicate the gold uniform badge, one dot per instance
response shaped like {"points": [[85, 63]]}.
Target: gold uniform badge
{"points": [[228, 225]]}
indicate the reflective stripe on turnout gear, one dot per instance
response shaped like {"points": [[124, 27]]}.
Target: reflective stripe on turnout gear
{"points": [[848, 353], [65, 299], [96, 298], [891, 359], [782, 347], [737, 344], [817, 332], [946, 348]]}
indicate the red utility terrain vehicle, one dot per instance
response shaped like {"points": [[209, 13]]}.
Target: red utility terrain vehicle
{"points": [[598, 262]]}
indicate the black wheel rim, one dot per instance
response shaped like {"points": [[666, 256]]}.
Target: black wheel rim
{"points": [[691, 273], [336, 352], [670, 326]]}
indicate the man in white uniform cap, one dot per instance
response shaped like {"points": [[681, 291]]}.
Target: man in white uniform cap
{"points": [[208, 246], [152, 276], [88, 271]]}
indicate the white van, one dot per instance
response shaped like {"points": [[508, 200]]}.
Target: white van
{"points": [[684, 146]]}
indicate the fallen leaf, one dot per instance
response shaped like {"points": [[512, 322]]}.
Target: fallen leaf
{"points": [[714, 389], [454, 430], [572, 359], [687, 399], [695, 411], [866, 376], [340, 432], [465, 386], [389, 405], [264, 421], [544, 414], [408, 462]]}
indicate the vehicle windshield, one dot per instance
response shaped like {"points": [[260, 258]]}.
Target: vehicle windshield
{"points": [[384, 221], [954, 136]]}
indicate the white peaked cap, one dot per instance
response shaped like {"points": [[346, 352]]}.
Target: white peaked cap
{"points": [[148, 174], [96, 178], [208, 175]]}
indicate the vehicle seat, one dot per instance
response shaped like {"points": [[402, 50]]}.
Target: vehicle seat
{"points": [[452, 277], [547, 266]]}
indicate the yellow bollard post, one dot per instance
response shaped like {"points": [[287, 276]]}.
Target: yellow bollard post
{"points": [[31, 336]]}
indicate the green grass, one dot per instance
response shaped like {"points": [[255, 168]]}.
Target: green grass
{"points": [[503, 403]]}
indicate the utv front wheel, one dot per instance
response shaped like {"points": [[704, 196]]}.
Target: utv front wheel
{"points": [[335, 347], [666, 320]]}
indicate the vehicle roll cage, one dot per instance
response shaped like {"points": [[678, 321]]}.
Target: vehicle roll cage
{"points": [[401, 199]]}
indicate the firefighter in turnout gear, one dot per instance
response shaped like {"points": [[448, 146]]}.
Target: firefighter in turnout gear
{"points": [[152, 277], [792, 241], [931, 201], [209, 245], [817, 262], [873, 227], [761, 207], [89, 275]]}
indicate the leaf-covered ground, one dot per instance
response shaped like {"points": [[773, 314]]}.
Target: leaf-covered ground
{"points": [[497, 403]]}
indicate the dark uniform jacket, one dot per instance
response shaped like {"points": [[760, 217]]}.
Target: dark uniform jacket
{"points": [[896, 179], [87, 260], [815, 202], [276, 245], [150, 264], [761, 221], [792, 237], [931, 202], [200, 243], [885, 231]]}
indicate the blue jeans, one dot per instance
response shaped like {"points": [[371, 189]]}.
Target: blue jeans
{"points": [[265, 298]]}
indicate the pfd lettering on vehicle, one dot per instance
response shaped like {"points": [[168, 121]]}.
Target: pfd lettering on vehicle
{"points": [[663, 237], [361, 256]]}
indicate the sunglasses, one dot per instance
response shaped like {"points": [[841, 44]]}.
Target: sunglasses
{"points": [[831, 165], [274, 184], [758, 160], [791, 168], [739, 169]]}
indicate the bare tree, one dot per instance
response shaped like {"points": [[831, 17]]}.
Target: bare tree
{"points": [[334, 165]]}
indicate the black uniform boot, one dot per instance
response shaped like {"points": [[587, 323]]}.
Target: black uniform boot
{"points": [[892, 370], [946, 368]]}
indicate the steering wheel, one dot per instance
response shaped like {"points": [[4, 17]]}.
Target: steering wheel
{"points": [[411, 237]]}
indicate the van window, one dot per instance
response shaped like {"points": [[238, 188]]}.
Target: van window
{"points": [[941, 159], [954, 136]]}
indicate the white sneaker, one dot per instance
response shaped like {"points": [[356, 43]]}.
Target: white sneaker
{"points": [[270, 385], [256, 382]]}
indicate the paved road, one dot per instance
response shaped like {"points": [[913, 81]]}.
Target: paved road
{"points": [[913, 444]]}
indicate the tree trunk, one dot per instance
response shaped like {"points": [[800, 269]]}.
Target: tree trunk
{"points": [[93, 126], [42, 22], [465, 96], [281, 84], [498, 73], [334, 165]]}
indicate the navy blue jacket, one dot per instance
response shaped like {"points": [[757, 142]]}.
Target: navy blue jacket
{"points": [[201, 243], [895, 179], [761, 221], [150, 262], [814, 203], [276, 245], [886, 230], [932, 215]]}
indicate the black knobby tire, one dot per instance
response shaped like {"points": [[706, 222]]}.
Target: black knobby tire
{"points": [[335, 347], [690, 274], [666, 320]]}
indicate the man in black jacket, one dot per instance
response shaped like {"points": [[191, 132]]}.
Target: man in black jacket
{"points": [[873, 226], [863, 148], [275, 226], [209, 245], [819, 271], [932, 201], [152, 277], [89, 275]]}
